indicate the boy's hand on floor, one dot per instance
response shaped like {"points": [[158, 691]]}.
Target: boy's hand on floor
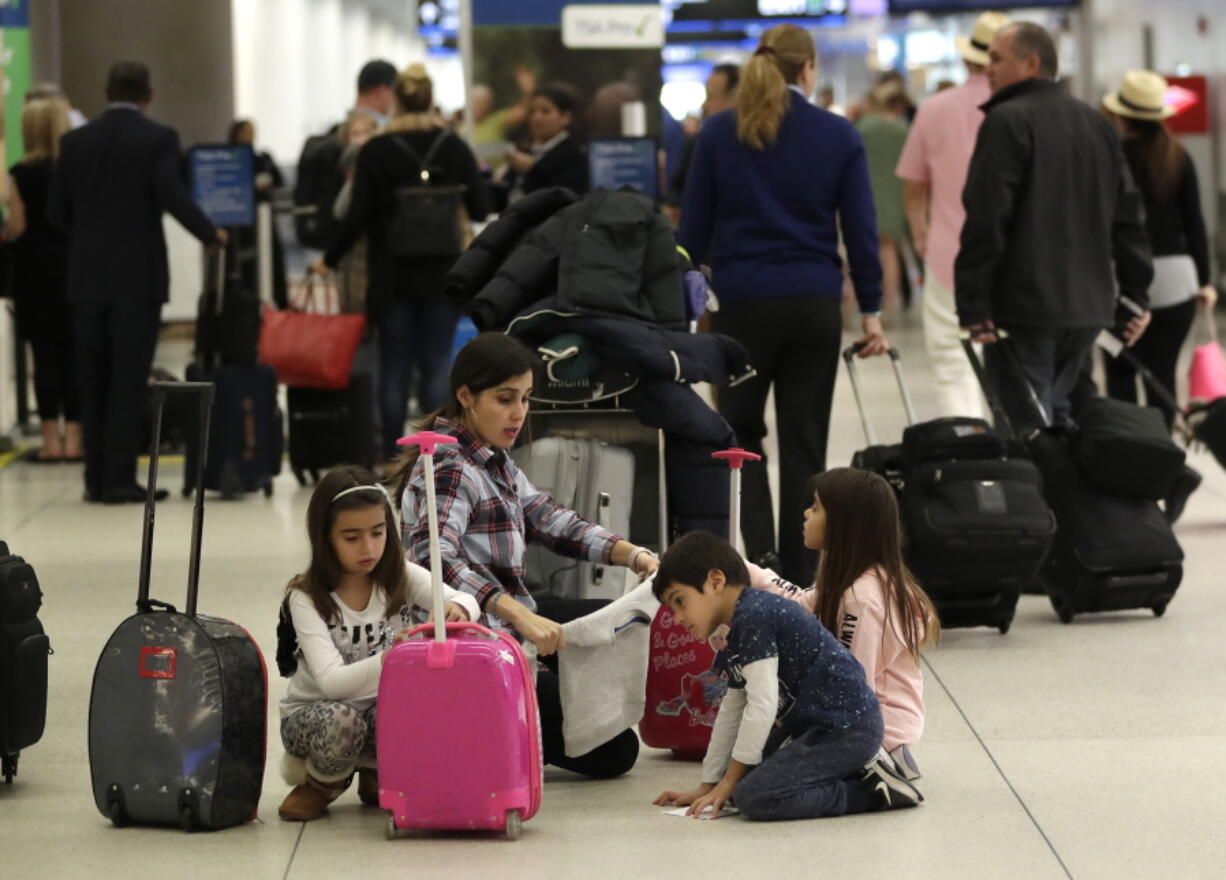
{"points": [[713, 800], [683, 798]]}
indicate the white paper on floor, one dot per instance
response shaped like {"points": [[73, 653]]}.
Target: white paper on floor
{"points": [[706, 815]]}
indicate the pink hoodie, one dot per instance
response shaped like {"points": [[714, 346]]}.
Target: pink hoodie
{"points": [[889, 667]]}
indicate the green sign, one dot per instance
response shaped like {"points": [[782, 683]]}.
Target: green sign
{"points": [[16, 55]]}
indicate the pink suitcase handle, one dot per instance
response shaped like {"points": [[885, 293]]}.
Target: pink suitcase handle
{"points": [[736, 457], [429, 441], [453, 627]]}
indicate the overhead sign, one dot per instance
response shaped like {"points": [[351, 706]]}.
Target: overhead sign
{"points": [[618, 162], [223, 182], [613, 26]]}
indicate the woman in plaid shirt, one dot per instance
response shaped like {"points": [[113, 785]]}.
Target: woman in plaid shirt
{"points": [[487, 514]]}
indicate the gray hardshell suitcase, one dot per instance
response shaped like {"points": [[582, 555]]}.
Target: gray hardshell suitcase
{"points": [[178, 711], [595, 480]]}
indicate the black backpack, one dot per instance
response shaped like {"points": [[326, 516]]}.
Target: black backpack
{"points": [[319, 181], [430, 221]]}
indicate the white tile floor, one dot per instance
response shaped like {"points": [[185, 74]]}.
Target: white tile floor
{"points": [[1090, 750]]}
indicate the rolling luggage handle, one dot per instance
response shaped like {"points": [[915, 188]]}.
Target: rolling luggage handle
{"points": [[849, 355], [736, 458], [160, 389], [428, 442], [990, 391]]}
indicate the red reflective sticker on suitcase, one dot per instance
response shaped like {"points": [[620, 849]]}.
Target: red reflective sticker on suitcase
{"points": [[157, 662]]}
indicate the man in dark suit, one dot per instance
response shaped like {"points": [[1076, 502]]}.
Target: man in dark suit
{"points": [[115, 178]]}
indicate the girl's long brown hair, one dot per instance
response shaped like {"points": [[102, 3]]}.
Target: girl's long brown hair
{"points": [[485, 361], [324, 573], [1161, 157], [863, 533], [762, 98]]}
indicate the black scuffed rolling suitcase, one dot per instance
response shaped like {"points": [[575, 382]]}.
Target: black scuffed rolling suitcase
{"points": [[328, 428], [976, 522], [23, 661], [178, 710], [1110, 553], [228, 317]]}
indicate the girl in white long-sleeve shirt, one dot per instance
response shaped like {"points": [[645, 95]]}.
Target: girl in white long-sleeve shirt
{"points": [[865, 596], [349, 607]]}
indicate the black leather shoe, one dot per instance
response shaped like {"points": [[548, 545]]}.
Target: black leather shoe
{"points": [[1188, 482], [134, 494]]}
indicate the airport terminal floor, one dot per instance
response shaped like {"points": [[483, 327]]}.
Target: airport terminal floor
{"points": [[1090, 750]]}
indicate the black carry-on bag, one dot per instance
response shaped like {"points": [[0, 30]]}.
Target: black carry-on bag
{"points": [[246, 439], [976, 523], [179, 706], [328, 427], [1110, 552], [24, 648]]}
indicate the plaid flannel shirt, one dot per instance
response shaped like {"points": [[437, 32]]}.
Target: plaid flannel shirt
{"points": [[487, 514]]}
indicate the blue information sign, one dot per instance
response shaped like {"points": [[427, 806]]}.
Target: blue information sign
{"points": [[618, 162], [223, 182]]}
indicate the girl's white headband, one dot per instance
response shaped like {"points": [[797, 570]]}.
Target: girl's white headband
{"points": [[377, 487]]}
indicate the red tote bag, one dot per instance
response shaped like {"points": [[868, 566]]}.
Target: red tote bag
{"points": [[310, 348]]}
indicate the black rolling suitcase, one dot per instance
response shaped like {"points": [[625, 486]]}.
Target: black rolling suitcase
{"points": [[178, 710], [24, 648], [246, 441], [228, 316], [976, 523], [328, 428], [1110, 552]]}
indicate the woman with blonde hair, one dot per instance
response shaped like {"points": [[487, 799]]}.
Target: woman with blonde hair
{"points": [[405, 299], [773, 182], [40, 279]]}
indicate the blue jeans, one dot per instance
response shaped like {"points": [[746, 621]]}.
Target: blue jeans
{"points": [[414, 333], [808, 777]]}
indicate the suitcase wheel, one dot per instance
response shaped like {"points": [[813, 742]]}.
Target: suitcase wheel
{"points": [[391, 832], [187, 491], [115, 811], [1004, 626], [9, 763], [1065, 614], [268, 488], [187, 820], [514, 825], [1159, 609]]}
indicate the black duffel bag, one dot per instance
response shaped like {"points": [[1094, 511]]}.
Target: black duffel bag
{"points": [[1126, 449], [954, 438]]}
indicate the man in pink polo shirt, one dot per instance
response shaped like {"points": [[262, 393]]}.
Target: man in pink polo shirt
{"points": [[933, 168]]}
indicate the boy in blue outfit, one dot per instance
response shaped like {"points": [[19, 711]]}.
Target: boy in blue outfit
{"points": [[798, 734]]}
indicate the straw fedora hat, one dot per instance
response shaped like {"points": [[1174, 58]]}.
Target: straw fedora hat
{"points": [[1142, 95], [975, 47]]}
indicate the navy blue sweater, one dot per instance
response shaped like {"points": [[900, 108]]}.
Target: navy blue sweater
{"points": [[767, 221]]}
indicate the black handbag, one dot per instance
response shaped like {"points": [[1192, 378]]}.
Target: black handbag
{"points": [[430, 220]]}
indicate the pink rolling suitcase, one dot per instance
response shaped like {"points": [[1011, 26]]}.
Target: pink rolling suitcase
{"points": [[458, 741]]}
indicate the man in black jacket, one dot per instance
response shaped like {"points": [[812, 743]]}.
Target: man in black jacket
{"points": [[1050, 206], [114, 179]]}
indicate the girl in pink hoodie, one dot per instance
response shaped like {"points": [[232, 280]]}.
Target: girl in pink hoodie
{"points": [[865, 595]]}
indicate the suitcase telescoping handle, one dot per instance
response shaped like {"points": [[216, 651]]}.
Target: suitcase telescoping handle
{"points": [[160, 389], [1117, 348], [992, 393], [428, 442], [849, 358], [736, 458]]}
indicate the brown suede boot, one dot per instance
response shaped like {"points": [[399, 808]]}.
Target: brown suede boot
{"points": [[368, 786], [309, 801]]}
